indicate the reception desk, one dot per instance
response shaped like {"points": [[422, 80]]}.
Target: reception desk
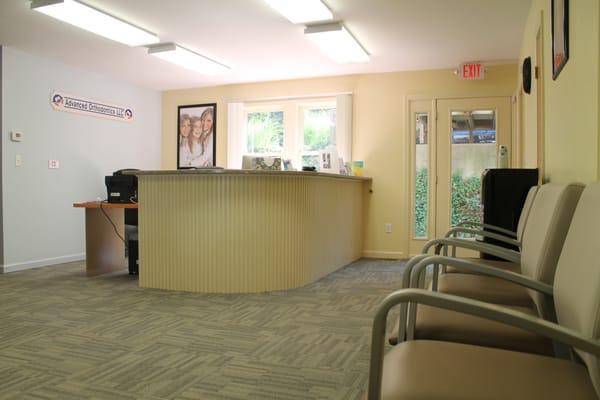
{"points": [[235, 231]]}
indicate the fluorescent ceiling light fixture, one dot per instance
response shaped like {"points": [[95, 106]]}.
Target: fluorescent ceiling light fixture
{"points": [[335, 41], [98, 22], [188, 59], [301, 11]]}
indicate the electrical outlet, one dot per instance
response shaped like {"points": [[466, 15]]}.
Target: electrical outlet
{"points": [[16, 136], [388, 227], [53, 164]]}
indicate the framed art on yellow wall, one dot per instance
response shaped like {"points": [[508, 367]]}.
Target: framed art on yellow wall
{"points": [[196, 136], [560, 35]]}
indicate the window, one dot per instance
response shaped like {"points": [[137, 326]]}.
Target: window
{"points": [[264, 132], [293, 129], [318, 132], [473, 150], [421, 200]]}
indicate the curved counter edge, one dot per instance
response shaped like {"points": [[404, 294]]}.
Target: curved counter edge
{"points": [[248, 232]]}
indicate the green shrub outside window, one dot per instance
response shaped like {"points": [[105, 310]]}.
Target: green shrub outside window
{"points": [[466, 200]]}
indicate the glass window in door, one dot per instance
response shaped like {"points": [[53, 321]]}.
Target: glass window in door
{"points": [[421, 191], [473, 150]]}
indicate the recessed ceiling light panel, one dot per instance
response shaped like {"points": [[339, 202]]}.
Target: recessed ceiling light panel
{"points": [[334, 40], [301, 11], [188, 59], [95, 21]]}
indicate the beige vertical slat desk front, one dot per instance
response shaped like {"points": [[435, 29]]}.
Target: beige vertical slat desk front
{"points": [[241, 232]]}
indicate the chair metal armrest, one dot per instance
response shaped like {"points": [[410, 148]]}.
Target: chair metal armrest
{"points": [[403, 316], [465, 306], [418, 272], [419, 268], [489, 227], [439, 243], [507, 254], [478, 232]]}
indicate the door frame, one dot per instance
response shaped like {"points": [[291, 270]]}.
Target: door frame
{"points": [[539, 74], [414, 245]]}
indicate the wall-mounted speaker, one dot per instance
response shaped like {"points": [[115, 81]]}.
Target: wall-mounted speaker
{"points": [[527, 75]]}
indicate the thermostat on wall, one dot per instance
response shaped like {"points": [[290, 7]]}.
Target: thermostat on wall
{"points": [[16, 136]]}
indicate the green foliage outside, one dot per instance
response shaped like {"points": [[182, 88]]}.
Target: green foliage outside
{"points": [[421, 202], [318, 126], [265, 132], [466, 198], [310, 161], [466, 195]]}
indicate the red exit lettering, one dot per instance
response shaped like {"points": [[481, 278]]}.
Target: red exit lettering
{"points": [[471, 71]]}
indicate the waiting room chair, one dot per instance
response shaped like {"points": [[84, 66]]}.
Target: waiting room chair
{"points": [[437, 370], [549, 220]]}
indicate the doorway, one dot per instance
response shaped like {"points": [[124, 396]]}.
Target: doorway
{"points": [[453, 141]]}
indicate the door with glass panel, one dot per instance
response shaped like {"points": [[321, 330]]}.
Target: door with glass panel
{"points": [[452, 142], [470, 134]]}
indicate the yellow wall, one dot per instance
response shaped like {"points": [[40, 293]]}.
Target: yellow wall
{"points": [[572, 101], [379, 130]]}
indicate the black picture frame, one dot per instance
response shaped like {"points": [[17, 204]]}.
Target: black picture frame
{"points": [[560, 36], [196, 144]]}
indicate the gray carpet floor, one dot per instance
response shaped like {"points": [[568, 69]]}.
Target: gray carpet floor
{"points": [[65, 336]]}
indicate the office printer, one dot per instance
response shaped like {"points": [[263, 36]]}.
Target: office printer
{"points": [[121, 188]]}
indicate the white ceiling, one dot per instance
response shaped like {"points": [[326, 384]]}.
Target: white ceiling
{"points": [[261, 45]]}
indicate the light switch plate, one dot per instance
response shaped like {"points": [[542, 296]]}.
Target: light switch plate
{"points": [[18, 160]]}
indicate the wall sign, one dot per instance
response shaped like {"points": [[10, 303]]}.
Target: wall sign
{"points": [[471, 71], [80, 105]]}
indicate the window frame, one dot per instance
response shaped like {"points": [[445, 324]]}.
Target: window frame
{"points": [[293, 125]]}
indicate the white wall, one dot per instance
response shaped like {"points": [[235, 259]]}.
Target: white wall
{"points": [[40, 225]]}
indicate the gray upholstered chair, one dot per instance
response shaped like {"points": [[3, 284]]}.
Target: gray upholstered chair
{"points": [[436, 370], [542, 243]]}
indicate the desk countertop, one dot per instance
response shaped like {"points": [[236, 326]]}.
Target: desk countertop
{"points": [[103, 204], [220, 171]]}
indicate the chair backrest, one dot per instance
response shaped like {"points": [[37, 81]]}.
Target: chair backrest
{"points": [[525, 212], [577, 281], [544, 236]]}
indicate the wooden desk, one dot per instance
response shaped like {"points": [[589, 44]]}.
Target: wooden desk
{"points": [[104, 250]]}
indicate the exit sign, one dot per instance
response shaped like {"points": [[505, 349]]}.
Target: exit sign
{"points": [[471, 71]]}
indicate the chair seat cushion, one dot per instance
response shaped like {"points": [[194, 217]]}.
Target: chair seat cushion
{"points": [[422, 369], [505, 265], [485, 288], [440, 324]]}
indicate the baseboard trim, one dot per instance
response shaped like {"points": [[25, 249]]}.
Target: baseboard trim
{"points": [[390, 255], [7, 268]]}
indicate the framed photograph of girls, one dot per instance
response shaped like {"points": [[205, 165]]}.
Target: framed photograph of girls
{"points": [[196, 136], [560, 35]]}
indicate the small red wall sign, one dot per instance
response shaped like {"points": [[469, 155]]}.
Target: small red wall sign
{"points": [[471, 71]]}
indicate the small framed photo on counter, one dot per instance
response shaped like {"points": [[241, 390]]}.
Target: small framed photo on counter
{"points": [[329, 161], [196, 136]]}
